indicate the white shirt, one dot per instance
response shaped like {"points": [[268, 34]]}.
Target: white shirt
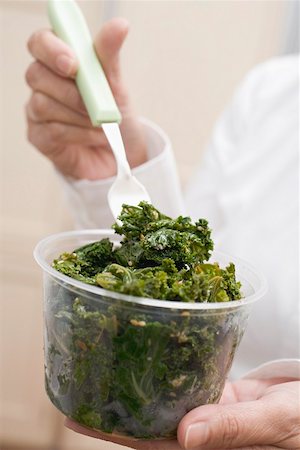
{"points": [[247, 187]]}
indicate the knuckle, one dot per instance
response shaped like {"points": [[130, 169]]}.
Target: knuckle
{"points": [[231, 429], [38, 104], [33, 73], [34, 39]]}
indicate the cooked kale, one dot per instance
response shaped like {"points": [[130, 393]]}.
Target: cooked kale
{"points": [[129, 368], [150, 237], [201, 282], [85, 262]]}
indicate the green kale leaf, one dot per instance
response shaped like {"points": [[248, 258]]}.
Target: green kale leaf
{"points": [[85, 262], [150, 237], [97, 254]]}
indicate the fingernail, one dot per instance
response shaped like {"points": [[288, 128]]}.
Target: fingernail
{"points": [[195, 435], [65, 64]]}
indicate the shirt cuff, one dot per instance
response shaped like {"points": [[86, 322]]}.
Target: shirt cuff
{"points": [[87, 200], [280, 368]]}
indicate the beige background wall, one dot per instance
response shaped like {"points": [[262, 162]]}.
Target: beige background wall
{"points": [[184, 59], [182, 62]]}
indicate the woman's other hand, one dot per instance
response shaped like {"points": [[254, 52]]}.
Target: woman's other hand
{"points": [[252, 415]]}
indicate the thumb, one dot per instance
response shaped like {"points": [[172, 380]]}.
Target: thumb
{"points": [[108, 43], [229, 426]]}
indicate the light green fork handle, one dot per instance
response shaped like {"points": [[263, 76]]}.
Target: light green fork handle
{"points": [[69, 24]]}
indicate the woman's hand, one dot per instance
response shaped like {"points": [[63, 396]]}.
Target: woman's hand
{"points": [[252, 414], [58, 124]]}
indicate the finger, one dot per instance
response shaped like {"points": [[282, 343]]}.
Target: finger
{"points": [[53, 52], [231, 426], [244, 390], [108, 44], [42, 108], [51, 137], [64, 90]]}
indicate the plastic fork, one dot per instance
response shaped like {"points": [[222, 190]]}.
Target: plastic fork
{"points": [[69, 24]]}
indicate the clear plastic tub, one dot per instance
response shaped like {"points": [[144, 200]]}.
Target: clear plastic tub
{"points": [[135, 366]]}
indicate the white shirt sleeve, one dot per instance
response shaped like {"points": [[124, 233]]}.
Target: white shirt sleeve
{"points": [[87, 199], [281, 368]]}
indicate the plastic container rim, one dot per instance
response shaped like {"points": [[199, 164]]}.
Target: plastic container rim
{"points": [[155, 303]]}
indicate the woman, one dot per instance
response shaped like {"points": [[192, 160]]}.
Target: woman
{"points": [[246, 187]]}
